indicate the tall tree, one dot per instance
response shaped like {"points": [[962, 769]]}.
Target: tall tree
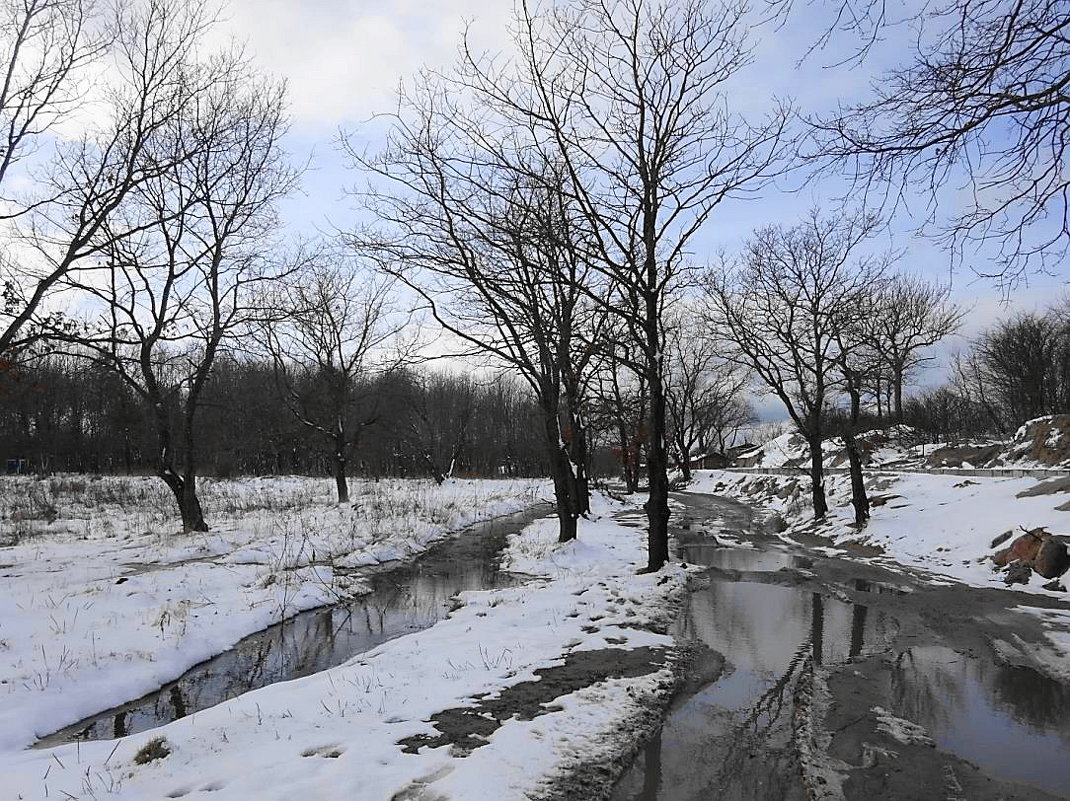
{"points": [[184, 247], [909, 315], [630, 96], [784, 311], [1019, 368], [704, 391], [335, 334], [476, 223]]}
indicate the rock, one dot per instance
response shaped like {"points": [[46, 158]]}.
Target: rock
{"points": [[1002, 538], [1023, 549], [1017, 573], [1052, 559], [1055, 586]]}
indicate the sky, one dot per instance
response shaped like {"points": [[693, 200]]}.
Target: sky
{"points": [[343, 61]]}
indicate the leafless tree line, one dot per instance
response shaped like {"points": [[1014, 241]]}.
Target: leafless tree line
{"points": [[819, 318], [541, 205]]}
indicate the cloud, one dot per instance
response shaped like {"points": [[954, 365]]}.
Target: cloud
{"points": [[343, 59]]}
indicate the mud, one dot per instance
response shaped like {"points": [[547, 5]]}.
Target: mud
{"points": [[852, 679], [467, 728]]}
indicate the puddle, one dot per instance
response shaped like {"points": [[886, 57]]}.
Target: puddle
{"points": [[1013, 721], [403, 600], [732, 737], [749, 560]]}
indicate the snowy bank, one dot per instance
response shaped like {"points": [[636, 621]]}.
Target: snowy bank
{"points": [[945, 525], [104, 600], [399, 722]]}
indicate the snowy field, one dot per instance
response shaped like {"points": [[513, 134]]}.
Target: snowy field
{"points": [[942, 524], [78, 638], [104, 599]]}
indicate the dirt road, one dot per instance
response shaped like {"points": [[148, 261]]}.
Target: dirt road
{"points": [[820, 676]]}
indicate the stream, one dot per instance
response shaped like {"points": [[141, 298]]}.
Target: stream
{"points": [[884, 641], [404, 599]]}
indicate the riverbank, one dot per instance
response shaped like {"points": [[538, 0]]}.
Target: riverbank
{"points": [[948, 527], [512, 692], [104, 599]]}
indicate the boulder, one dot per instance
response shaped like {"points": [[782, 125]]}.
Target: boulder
{"points": [[1017, 573], [1023, 549], [1038, 550], [1053, 559]]}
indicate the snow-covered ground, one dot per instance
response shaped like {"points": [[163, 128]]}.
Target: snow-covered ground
{"points": [[105, 600], [943, 524], [75, 640]]}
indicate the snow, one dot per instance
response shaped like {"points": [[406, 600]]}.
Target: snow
{"points": [[333, 734], [904, 731], [943, 525], [107, 601]]}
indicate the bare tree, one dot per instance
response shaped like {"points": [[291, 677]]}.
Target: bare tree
{"points": [[909, 315], [619, 407], [67, 221], [784, 311], [858, 361], [630, 96], [704, 392], [492, 245], [439, 420], [44, 46], [984, 101], [184, 245], [336, 333], [1019, 369]]}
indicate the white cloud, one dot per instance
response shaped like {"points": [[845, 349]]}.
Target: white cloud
{"points": [[343, 59]]}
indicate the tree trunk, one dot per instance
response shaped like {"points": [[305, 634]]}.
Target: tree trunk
{"points": [[897, 388], [339, 463], [183, 487], [579, 456], [859, 499], [657, 505], [185, 493], [684, 461], [560, 472], [627, 463], [817, 477], [341, 483]]}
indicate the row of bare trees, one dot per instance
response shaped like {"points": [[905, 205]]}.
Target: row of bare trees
{"points": [[818, 317], [151, 207], [61, 413], [541, 204]]}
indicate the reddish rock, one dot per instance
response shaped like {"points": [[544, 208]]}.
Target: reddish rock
{"points": [[1052, 559], [1024, 549]]}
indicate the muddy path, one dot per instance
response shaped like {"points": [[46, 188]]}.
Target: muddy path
{"points": [[819, 676]]}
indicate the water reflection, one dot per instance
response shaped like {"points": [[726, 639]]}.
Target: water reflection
{"points": [[1012, 720], [731, 739], [742, 559], [404, 600]]}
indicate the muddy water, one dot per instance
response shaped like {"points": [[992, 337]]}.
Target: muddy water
{"points": [[767, 610], [403, 600], [731, 738]]}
